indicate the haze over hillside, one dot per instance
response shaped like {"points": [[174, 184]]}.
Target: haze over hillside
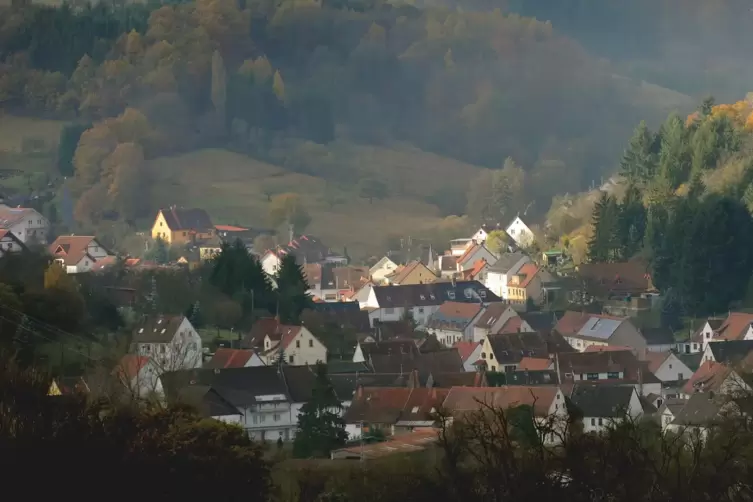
{"points": [[338, 92]]}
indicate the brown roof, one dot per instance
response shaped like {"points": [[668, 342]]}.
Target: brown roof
{"points": [[449, 263], [269, 326], [460, 310], [130, 365], [9, 216], [607, 348], [535, 363], [714, 323], [734, 327], [466, 349], [603, 279], [572, 321], [478, 266], [402, 274], [468, 399], [459, 379], [493, 312], [526, 273], [229, 358], [709, 377], [625, 361], [313, 274], [468, 251], [157, 329], [655, 360], [440, 361], [512, 325], [71, 248], [385, 405], [351, 277], [179, 218]]}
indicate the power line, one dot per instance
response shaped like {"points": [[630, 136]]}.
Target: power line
{"points": [[37, 334], [49, 327]]}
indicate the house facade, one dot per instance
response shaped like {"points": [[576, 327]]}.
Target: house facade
{"points": [[414, 272], [9, 243], [667, 367], [298, 345], [492, 320], [139, 375], [498, 275], [520, 233], [177, 225], [27, 224], [382, 269], [234, 358], [583, 330], [604, 406], [170, 341], [474, 253], [78, 253], [454, 322]]}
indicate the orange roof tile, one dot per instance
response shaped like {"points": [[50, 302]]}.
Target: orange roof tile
{"points": [[71, 248], [534, 364], [512, 325], [607, 348], [230, 358], [527, 273], [466, 349], [734, 327], [709, 377], [230, 228], [655, 360], [460, 310], [130, 365], [468, 399]]}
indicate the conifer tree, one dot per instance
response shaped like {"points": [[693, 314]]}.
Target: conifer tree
{"points": [[604, 242], [638, 162], [291, 290], [321, 428], [674, 158]]}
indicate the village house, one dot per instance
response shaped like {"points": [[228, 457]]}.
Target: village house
{"points": [[234, 358], [730, 352], [306, 249], [737, 326], [716, 378], [520, 233], [669, 410], [10, 244], [619, 367], [470, 353], [504, 353], [701, 337], [454, 322], [666, 366], [458, 246], [700, 414], [177, 225], [604, 406], [659, 339], [298, 345], [139, 375], [170, 341], [535, 364], [582, 330], [364, 350], [414, 272], [419, 301], [447, 266], [477, 272], [382, 269], [25, 223], [263, 400], [492, 319], [606, 281], [531, 283], [547, 403], [472, 254], [78, 253], [210, 248], [498, 275], [392, 410]]}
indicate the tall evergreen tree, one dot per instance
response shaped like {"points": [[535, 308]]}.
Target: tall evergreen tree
{"points": [[674, 158], [631, 225], [291, 290], [638, 163], [604, 219], [321, 429]]}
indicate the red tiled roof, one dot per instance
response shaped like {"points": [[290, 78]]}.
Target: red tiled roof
{"points": [[512, 325], [230, 358], [270, 326], [527, 273], [534, 364], [630, 277], [466, 349], [468, 251], [460, 310], [71, 248], [468, 399], [655, 360], [478, 267], [734, 327], [130, 365], [230, 228], [573, 321], [709, 377]]}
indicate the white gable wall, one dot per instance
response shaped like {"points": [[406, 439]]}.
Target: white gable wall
{"points": [[673, 369], [520, 233]]}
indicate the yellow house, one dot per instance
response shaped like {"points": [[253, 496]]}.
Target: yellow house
{"points": [[414, 272], [524, 285], [176, 225]]}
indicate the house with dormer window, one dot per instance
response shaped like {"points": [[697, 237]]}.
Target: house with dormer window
{"points": [[269, 338], [170, 341], [79, 253], [582, 330], [420, 301]]}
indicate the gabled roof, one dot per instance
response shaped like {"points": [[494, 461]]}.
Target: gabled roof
{"points": [[402, 274], [590, 326], [337, 367], [524, 377], [10, 216], [731, 351], [441, 361], [655, 360], [512, 325], [350, 277], [458, 379], [389, 347], [4, 232], [608, 401], [381, 263], [734, 327], [607, 348], [506, 262], [283, 334], [478, 266], [380, 405], [157, 329], [449, 263], [512, 348], [466, 349], [700, 410], [604, 279], [73, 248], [231, 228], [713, 323], [230, 358], [542, 322], [535, 363], [572, 363], [454, 315], [492, 312], [658, 336], [673, 404], [178, 218], [526, 274], [461, 400], [305, 249], [709, 377], [312, 272], [130, 365], [436, 293]]}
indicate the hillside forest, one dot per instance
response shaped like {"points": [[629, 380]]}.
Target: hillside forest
{"points": [[528, 107]]}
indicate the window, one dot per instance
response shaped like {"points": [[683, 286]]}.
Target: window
{"points": [[276, 417], [256, 419], [600, 422], [613, 374], [262, 419], [451, 295], [184, 234], [297, 344], [491, 355], [680, 376], [483, 355], [311, 343], [291, 359], [420, 310], [494, 368], [482, 293], [593, 421], [592, 376], [160, 223], [670, 366]]}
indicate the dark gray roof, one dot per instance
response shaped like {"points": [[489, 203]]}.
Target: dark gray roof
{"points": [[335, 367], [157, 329], [418, 295], [602, 400], [442, 361], [700, 409], [506, 262], [511, 348], [179, 218], [542, 322], [692, 361], [346, 384], [658, 336], [207, 401], [730, 351], [300, 381], [530, 377], [674, 405]]}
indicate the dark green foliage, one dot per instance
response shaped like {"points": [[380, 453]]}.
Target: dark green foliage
{"points": [[291, 291], [321, 429], [674, 159], [240, 276], [69, 137], [638, 164], [158, 252], [631, 224], [604, 243]]}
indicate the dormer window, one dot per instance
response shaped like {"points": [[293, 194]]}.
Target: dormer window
{"points": [[422, 297], [432, 296], [451, 295], [482, 293]]}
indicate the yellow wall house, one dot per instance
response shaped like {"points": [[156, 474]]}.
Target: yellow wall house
{"points": [[414, 272], [176, 225]]}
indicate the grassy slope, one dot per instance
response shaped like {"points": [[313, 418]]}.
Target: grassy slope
{"points": [[14, 129], [228, 186]]}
